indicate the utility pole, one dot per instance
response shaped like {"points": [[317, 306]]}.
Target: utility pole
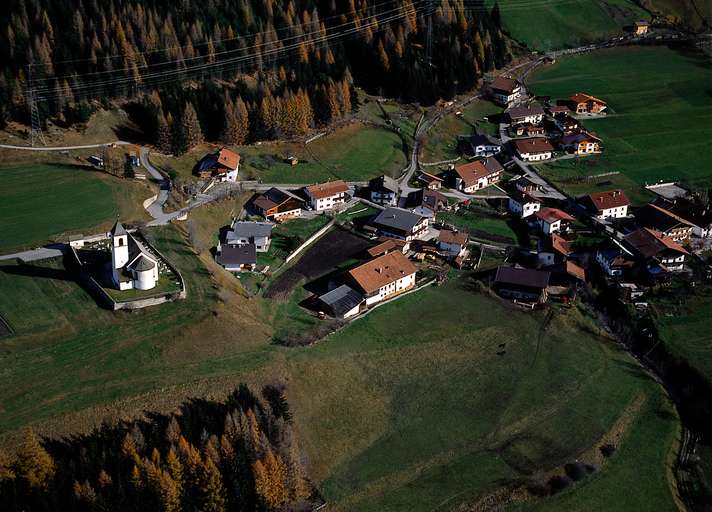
{"points": [[429, 36], [36, 134]]}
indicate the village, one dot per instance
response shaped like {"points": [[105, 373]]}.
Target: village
{"points": [[412, 256], [408, 239]]}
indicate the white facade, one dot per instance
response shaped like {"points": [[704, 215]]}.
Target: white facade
{"points": [[384, 197], [327, 203], [523, 209], [230, 175], [613, 213], [530, 118], [484, 150], [673, 263], [392, 289], [481, 183], [535, 157], [453, 249], [506, 99], [605, 263], [288, 214], [119, 253], [550, 227]]}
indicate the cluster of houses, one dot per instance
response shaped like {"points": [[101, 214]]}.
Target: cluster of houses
{"points": [[540, 130], [239, 246], [639, 247]]}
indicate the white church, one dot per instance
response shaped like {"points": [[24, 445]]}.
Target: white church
{"points": [[132, 265]]}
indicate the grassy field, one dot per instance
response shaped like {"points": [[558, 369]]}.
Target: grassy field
{"points": [[441, 140], [391, 417], [683, 323], [479, 224], [39, 202], [564, 24], [353, 153], [659, 126], [577, 177]]}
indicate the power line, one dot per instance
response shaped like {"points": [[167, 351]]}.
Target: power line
{"points": [[218, 41], [239, 60]]}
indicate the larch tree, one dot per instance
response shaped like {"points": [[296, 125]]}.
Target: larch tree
{"points": [[34, 465]]}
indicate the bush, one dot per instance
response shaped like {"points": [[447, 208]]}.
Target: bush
{"points": [[558, 483], [607, 450], [575, 471]]}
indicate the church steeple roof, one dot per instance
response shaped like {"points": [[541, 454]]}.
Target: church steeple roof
{"points": [[118, 229]]}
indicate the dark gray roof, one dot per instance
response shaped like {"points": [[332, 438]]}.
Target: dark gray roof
{"points": [[481, 139], [250, 230], [397, 218], [237, 255], [118, 229], [142, 264], [522, 277], [208, 162], [521, 112], [384, 183], [342, 299]]}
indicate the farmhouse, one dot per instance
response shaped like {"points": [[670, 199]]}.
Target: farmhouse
{"points": [[222, 165], [383, 190], [533, 150], [581, 143], [342, 302], [552, 220], [613, 261], [640, 27], [567, 124], [698, 215], [477, 146], [387, 245], [477, 175], [383, 277], [326, 196], [664, 221], [522, 204], [258, 234], [582, 103], [660, 253], [453, 243], [533, 114], [237, 258], [432, 200], [399, 223], [526, 185], [558, 110], [430, 181], [606, 205], [277, 205], [528, 130], [132, 266], [522, 283], [505, 91]]}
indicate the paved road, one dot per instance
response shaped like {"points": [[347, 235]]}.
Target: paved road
{"points": [[65, 148]]}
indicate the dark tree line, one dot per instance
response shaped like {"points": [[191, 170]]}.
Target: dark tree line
{"points": [[240, 454], [251, 69]]}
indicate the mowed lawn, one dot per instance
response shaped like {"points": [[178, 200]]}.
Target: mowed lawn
{"points": [[356, 152], [38, 202], [661, 103], [441, 140], [555, 24]]}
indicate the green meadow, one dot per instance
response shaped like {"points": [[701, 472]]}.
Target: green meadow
{"points": [[556, 24], [38, 202], [435, 400], [659, 126]]}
